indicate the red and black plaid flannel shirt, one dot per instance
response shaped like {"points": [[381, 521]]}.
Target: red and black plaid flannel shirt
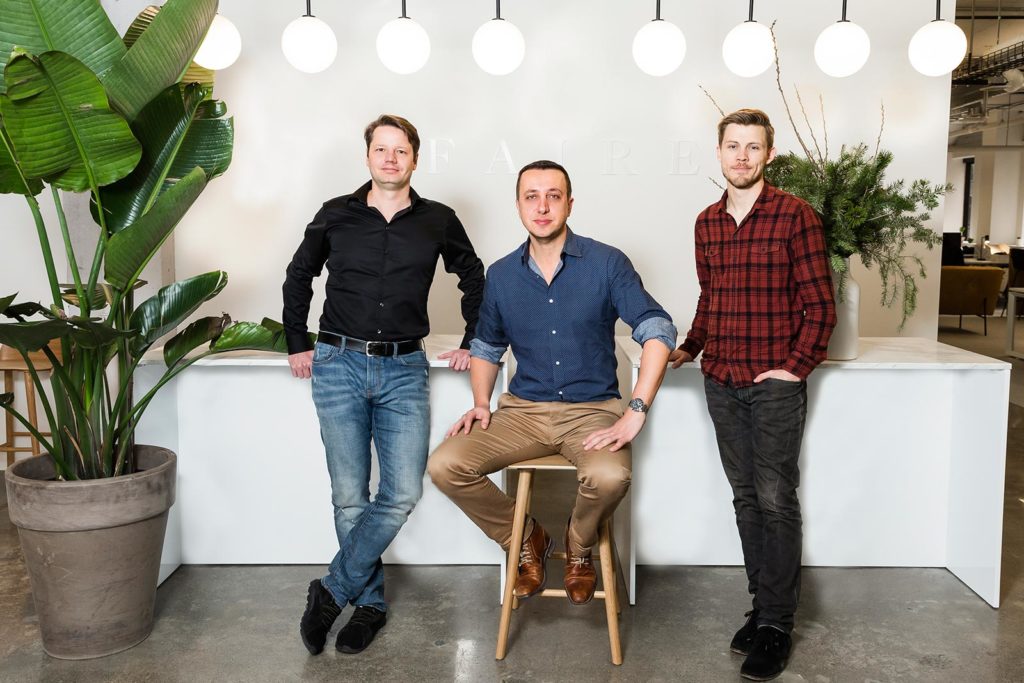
{"points": [[765, 290]]}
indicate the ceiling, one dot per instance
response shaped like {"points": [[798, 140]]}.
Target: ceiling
{"points": [[988, 88]]}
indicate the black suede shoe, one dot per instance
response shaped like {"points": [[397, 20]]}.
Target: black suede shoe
{"points": [[768, 655], [321, 611], [744, 638], [358, 633]]}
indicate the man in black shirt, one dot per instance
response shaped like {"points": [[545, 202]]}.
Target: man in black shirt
{"points": [[368, 366]]}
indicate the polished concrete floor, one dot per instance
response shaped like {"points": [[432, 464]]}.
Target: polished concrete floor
{"points": [[240, 623]]}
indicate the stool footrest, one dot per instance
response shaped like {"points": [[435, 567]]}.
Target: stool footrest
{"points": [[560, 593]]}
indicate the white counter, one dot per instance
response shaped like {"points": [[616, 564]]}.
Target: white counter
{"points": [[253, 486], [902, 465]]}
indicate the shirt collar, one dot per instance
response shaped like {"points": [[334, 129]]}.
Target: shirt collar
{"points": [[572, 246], [768, 194], [363, 192]]}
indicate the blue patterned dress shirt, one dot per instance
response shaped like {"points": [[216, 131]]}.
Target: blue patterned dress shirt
{"points": [[563, 334]]}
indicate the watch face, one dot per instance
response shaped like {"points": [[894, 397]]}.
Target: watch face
{"points": [[638, 405]]}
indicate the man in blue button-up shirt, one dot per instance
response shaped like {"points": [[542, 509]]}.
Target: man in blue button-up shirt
{"points": [[555, 301]]}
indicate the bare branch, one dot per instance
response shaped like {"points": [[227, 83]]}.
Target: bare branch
{"points": [[881, 127], [807, 120], [824, 123], [778, 83], [712, 99]]}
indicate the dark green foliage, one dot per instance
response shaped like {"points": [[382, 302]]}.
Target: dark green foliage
{"points": [[865, 215]]}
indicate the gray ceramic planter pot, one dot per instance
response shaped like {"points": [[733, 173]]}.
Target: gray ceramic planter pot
{"points": [[92, 550]]}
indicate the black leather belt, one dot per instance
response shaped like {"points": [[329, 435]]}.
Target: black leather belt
{"points": [[371, 348]]}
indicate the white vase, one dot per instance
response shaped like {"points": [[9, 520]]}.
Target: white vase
{"points": [[843, 344]]}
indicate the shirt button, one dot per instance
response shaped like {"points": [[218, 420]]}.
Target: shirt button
{"points": [[382, 304], [554, 332], [559, 393], [558, 362], [378, 331], [551, 301]]}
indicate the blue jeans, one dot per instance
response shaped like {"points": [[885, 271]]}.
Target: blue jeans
{"points": [[759, 430], [359, 397]]}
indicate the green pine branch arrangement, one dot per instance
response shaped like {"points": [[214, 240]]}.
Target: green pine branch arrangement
{"points": [[862, 213]]}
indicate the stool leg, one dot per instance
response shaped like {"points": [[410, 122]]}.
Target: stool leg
{"points": [[611, 598], [8, 419], [512, 561], [33, 418], [617, 568], [527, 501]]}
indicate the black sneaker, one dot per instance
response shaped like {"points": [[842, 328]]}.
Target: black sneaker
{"points": [[744, 638], [358, 633], [768, 654], [321, 611]]}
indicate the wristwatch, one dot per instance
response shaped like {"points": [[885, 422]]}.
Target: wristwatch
{"points": [[637, 405]]}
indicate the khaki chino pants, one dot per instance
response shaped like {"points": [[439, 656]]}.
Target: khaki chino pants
{"points": [[521, 430]]}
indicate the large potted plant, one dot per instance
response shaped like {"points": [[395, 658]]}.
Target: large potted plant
{"points": [[126, 121], [862, 214]]}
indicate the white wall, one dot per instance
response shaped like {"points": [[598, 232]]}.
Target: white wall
{"points": [[578, 97], [986, 32]]}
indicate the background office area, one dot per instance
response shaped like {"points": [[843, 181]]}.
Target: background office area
{"points": [[641, 153]]}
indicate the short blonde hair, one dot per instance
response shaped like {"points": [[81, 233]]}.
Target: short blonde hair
{"points": [[748, 117]]}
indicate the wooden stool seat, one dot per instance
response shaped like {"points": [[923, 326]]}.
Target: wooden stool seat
{"points": [[11, 362], [606, 550]]}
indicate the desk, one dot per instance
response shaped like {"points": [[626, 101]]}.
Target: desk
{"points": [[902, 466], [252, 482]]}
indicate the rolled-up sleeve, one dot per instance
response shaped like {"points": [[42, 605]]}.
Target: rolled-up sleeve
{"points": [[635, 306], [490, 341], [661, 329], [485, 351]]}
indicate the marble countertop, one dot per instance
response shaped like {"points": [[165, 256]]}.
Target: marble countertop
{"points": [[435, 344], [882, 353], [896, 353]]}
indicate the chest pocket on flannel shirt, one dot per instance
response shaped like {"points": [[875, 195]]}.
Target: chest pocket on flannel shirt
{"points": [[769, 253], [715, 257]]}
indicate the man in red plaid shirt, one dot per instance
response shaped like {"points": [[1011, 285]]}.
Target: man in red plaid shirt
{"points": [[763, 321]]}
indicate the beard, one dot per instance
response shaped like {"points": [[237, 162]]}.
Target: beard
{"points": [[745, 182]]}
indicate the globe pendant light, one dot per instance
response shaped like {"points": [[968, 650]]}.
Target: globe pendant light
{"points": [[659, 46], [221, 46], [402, 45], [938, 47], [309, 43], [748, 49], [842, 48], [498, 46]]}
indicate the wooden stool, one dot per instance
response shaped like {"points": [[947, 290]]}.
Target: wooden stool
{"points": [[606, 546], [11, 362]]}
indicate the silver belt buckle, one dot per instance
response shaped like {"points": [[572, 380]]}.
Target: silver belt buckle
{"points": [[382, 346]]}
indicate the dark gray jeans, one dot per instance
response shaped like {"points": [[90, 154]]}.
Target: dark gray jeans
{"points": [[759, 430]]}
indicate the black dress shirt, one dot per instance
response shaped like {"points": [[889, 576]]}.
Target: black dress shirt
{"points": [[378, 273]]}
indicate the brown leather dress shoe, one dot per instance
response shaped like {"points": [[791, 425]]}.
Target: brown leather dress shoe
{"points": [[532, 557], [580, 575]]}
